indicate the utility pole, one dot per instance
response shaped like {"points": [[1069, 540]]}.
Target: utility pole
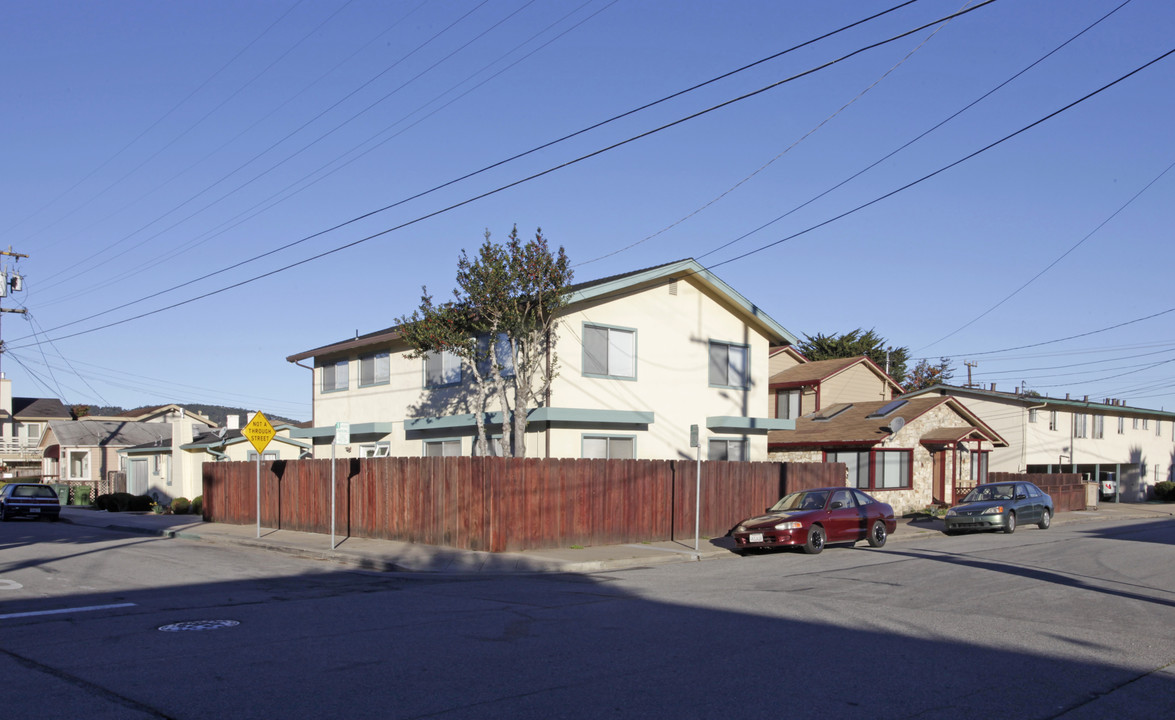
{"points": [[10, 279], [970, 365]]}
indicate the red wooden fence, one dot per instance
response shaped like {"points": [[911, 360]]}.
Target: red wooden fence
{"points": [[504, 504]]}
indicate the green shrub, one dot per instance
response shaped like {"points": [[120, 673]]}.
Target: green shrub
{"points": [[1165, 491], [198, 505], [180, 506]]}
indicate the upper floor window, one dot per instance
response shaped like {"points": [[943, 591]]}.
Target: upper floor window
{"points": [[1032, 415], [609, 351], [787, 404], [1135, 423], [1146, 423], [1099, 427], [502, 356], [335, 376], [1158, 427], [1052, 419], [1079, 425], [374, 369], [29, 433], [443, 368], [1121, 425], [601, 447], [728, 364], [724, 449]]}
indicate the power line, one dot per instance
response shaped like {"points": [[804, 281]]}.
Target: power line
{"points": [[485, 194]]}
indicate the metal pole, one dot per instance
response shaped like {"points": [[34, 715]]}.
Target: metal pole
{"points": [[332, 496], [698, 498], [259, 495]]}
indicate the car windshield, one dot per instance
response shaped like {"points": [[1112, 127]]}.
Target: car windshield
{"points": [[806, 500], [985, 493]]}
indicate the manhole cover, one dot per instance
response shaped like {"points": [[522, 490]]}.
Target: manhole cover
{"points": [[199, 625]]}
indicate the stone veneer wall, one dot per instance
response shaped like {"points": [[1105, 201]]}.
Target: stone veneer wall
{"points": [[920, 494]]}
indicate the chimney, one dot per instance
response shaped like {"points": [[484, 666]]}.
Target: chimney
{"points": [[232, 422], [993, 387]]}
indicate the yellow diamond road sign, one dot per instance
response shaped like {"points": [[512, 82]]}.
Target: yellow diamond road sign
{"points": [[259, 432]]}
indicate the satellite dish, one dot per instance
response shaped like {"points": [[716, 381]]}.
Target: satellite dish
{"points": [[896, 424]]}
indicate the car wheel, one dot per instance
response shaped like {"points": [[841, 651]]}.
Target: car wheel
{"points": [[877, 534], [815, 540], [1046, 520], [1010, 526]]}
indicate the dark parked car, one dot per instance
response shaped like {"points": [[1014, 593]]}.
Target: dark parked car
{"points": [[29, 499], [1001, 506], [811, 518]]}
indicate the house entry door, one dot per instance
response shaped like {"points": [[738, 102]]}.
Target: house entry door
{"points": [[940, 476], [136, 477]]}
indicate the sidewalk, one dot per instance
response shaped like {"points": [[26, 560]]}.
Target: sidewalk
{"points": [[393, 556]]}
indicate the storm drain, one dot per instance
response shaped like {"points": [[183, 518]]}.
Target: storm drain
{"points": [[199, 625]]}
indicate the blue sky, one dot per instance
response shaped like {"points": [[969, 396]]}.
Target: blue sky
{"points": [[162, 161]]}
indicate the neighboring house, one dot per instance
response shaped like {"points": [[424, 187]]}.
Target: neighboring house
{"points": [[22, 423], [799, 387], [87, 450], [642, 357], [1105, 441], [909, 453]]}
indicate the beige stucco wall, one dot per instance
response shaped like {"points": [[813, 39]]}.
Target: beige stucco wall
{"points": [[673, 332], [855, 384]]}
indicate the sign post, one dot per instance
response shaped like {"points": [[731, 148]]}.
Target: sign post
{"points": [[342, 437], [259, 432], [694, 442]]}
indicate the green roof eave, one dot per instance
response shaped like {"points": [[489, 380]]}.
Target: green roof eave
{"points": [[685, 268], [739, 424], [572, 416], [368, 428]]}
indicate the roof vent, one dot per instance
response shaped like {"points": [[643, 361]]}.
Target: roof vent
{"points": [[673, 286]]}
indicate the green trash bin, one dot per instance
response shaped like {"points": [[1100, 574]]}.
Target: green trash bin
{"points": [[81, 496], [62, 491]]}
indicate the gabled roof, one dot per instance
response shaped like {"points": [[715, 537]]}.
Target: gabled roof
{"points": [[25, 408], [614, 285], [854, 426], [1041, 401], [154, 410], [109, 433], [818, 371]]}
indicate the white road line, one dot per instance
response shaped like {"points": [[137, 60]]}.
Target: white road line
{"points": [[9, 616]]}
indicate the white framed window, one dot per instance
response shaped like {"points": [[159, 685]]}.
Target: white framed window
{"points": [[609, 447], [728, 364], [441, 368], [495, 443], [28, 433], [335, 377], [734, 450], [502, 355], [787, 404], [1099, 427], [79, 464], [1032, 415], [442, 448], [1052, 419], [374, 369], [267, 456], [1121, 425], [1158, 428], [1135, 422], [609, 352], [1146, 423], [979, 466], [374, 450], [1080, 422]]}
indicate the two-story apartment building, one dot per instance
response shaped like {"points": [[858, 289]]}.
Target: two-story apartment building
{"points": [[1103, 440], [23, 420], [641, 357]]}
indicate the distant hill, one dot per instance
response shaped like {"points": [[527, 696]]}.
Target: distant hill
{"points": [[215, 413]]}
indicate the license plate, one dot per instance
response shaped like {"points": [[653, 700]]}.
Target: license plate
{"points": [[34, 510], [755, 537]]}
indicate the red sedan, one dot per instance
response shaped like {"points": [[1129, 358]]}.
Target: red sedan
{"points": [[812, 518]]}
